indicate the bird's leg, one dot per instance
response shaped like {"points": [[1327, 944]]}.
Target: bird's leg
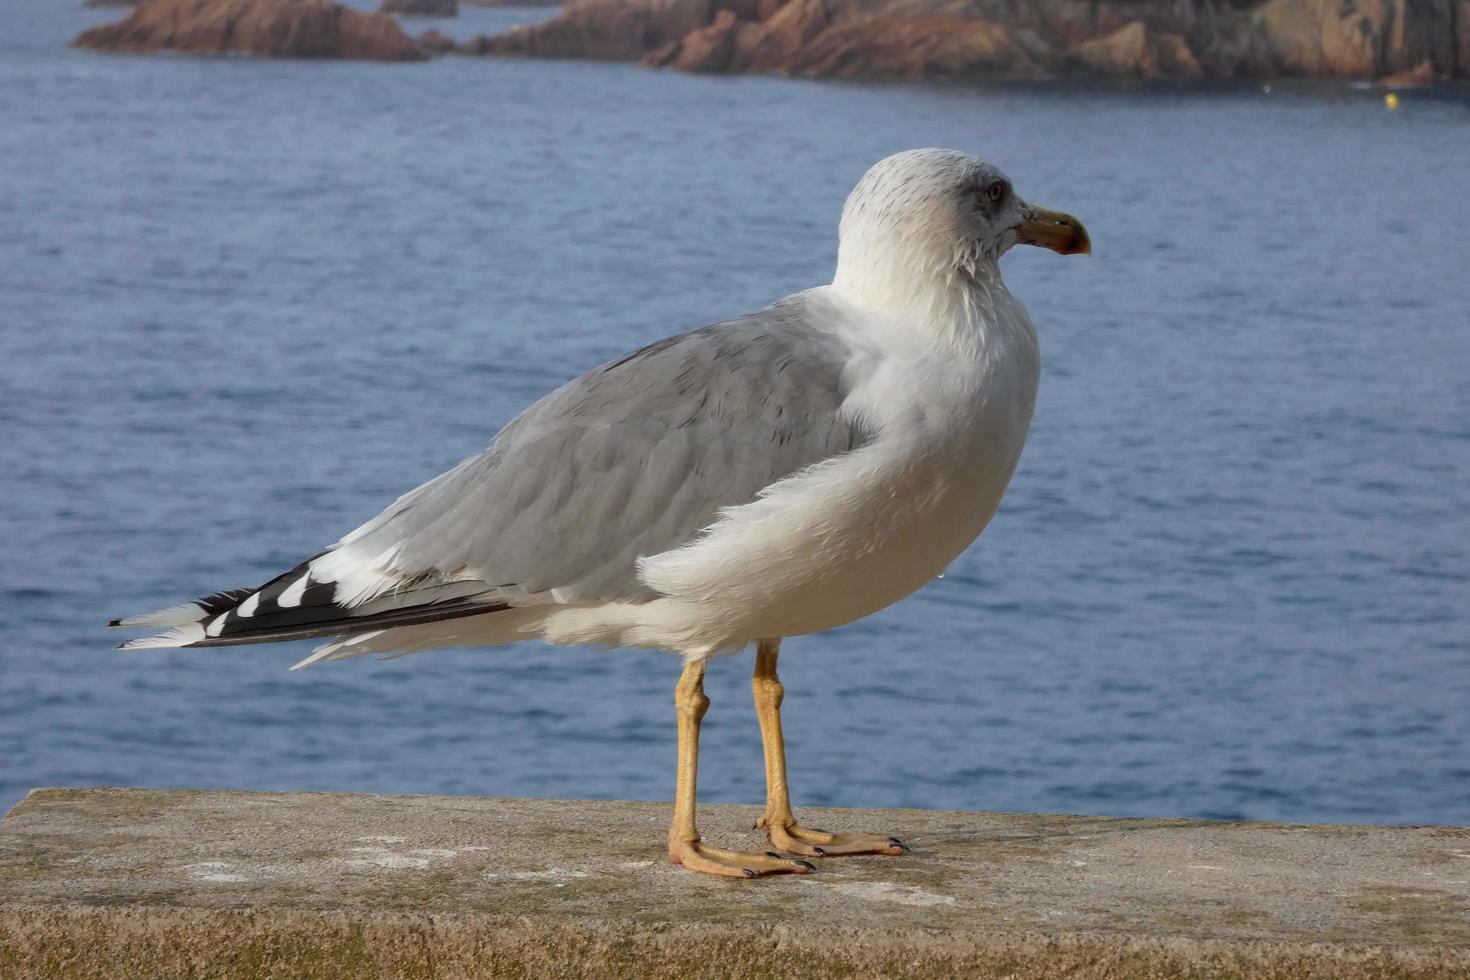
{"points": [[779, 822], [684, 845]]}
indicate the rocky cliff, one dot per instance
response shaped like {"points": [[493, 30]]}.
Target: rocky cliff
{"points": [[269, 28], [1176, 39]]}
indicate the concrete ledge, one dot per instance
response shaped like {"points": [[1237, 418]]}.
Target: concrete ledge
{"points": [[123, 883]]}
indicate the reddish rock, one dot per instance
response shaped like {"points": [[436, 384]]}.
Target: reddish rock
{"points": [[109, 4], [1181, 39], [268, 28], [1134, 51], [779, 39], [707, 49], [1324, 37], [921, 48], [1417, 77], [1360, 38], [731, 43], [1236, 50], [613, 30], [1172, 57], [434, 43], [1121, 54], [420, 8]]}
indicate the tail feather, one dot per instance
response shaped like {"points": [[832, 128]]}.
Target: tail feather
{"points": [[302, 604], [188, 612]]}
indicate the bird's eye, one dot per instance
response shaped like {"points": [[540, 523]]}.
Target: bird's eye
{"points": [[995, 190]]}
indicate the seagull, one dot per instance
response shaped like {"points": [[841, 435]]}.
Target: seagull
{"points": [[765, 477]]}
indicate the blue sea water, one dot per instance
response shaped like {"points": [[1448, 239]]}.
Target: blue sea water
{"points": [[245, 303]]}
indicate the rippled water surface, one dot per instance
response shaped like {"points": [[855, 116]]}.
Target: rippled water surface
{"points": [[245, 303]]}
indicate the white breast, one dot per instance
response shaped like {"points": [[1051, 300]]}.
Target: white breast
{"points": [[858, 532]]}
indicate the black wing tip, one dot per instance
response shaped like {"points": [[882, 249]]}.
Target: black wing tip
{"points": [[226, 600], [222, 601], [410, 616]]}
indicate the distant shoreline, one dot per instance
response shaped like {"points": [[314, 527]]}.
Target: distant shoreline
{"points": [[1155, 40], [1049, 42]]}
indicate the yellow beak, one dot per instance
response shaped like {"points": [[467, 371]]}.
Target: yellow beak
{"points": [[1055, 230]]}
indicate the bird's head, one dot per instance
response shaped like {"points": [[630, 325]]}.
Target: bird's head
{"points": [[936, 219]]}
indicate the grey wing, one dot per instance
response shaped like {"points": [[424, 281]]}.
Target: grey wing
{"points": [[633, 458]]}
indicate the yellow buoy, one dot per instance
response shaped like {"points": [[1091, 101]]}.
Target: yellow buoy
{"points": [[1391, 100]]}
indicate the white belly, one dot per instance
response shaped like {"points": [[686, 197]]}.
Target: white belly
{"points": [[858, 532], [864, 557]]}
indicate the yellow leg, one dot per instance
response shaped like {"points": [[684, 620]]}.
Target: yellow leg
{"points": [[684, 845], [779, 821]]}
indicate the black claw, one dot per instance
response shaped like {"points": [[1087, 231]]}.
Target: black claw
{"points": [[820, 851], [756, 825], [749, 873], [805, 864], [773, 854]]}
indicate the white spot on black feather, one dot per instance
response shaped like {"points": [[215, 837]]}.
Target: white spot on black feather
{"points": [[291, 596]]}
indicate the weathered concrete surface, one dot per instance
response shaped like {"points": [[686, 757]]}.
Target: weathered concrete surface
{"points": [[120, 883]]}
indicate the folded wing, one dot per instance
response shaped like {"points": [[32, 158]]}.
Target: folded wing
{"points": [[633, 458]]}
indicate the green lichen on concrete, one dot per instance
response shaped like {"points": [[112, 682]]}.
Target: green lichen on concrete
{"points": [[1422, 914], [326, 946]]}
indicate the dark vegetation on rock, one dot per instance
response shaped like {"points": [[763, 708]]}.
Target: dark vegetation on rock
{"points": [[1143, 39], [268, 28]]}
